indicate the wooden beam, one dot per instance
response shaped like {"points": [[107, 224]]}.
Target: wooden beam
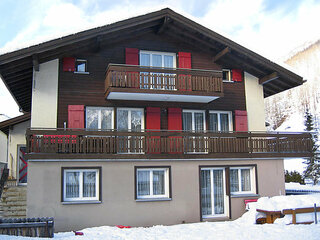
{"points": [[164, 25], [269, 78], [221, 54]]}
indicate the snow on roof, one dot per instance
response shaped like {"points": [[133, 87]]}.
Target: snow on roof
{"points": [[298, 186]]}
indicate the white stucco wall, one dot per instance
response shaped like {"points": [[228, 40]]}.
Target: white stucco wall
{"points": [[3, 147], [17, 136], [45, 95], [254, 103]]}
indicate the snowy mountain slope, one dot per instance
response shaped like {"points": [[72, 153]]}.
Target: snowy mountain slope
{"points": [[295, 101], [285, 111]]}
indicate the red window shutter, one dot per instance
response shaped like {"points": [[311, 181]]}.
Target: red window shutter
{"points": [[75, 116], [174, 119], [153, 118], [132, 58], [236, 75], [69, 64], [184, 81], [175, 123], [241, 121], [153, 123]]}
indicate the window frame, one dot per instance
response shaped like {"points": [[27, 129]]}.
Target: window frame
{"points": [[130, 109], [225, 192], [100, 116], [219, 122], [81, 199], [229, 73], [192, 111], [253, 180], [167, 184], [77, 61], [174, 55]]}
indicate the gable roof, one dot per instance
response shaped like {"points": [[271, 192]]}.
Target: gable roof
{"points": [[16, 68], [5, 125]]}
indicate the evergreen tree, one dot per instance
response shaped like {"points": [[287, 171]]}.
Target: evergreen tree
{"points": [[313, 163], [293, 176]]}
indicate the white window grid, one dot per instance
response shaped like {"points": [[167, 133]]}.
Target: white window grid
{"points": [[226, 198], [99, 109], [166, 183], [229, 74], [219, 118], [193, 125], [150, 53], [252, 181], [129, 124], [80, 198]]}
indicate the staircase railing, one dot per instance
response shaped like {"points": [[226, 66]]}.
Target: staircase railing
{"points": [[4, 178]]}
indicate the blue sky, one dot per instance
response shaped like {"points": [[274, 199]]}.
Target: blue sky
{"points": [[272, 28]]}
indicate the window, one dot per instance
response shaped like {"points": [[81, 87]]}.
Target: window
{"points": [[152, 183], [226, 75], [194, 121], [99, 118], [242, 180], [220, 121], [214, 200], [81, 66], [23, 164], [131, 120], [81, 184], [161, 60]]}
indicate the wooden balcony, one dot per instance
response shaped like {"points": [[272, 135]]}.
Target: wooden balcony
{"points": [[127, 82], [80, 143]]}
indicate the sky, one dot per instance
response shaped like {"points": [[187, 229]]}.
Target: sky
{"points": [[272, 28]]}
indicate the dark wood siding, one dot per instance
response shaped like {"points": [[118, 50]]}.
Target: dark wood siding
{"points": [[88, 89]]}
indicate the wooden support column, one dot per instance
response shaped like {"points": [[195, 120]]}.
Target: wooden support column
{"points": [[164, 25], [268, 78], [221, 54]]}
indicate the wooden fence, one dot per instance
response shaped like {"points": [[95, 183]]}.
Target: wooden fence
{"points": [[28, 227]]}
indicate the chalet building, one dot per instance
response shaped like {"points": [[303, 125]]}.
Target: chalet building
{"points": [[151, 120]]}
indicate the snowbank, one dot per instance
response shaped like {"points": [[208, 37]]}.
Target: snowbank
{"points": [[243, 228]]}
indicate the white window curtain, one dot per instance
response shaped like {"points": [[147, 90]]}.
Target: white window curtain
{"points": [[245, 180], [99, 118], [72, 185], [212, 192], [220, 121], [206, 203], [241, 180], [152, 183], [89, 184], [81, 185], [143, 179]]}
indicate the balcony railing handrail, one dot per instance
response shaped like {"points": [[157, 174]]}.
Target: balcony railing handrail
{"points": [[161, 132], [138, 68]]}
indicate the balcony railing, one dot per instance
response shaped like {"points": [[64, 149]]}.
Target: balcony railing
{"points": [[165, 79], [80, 143]]}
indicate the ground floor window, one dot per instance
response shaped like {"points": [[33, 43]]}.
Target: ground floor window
{"points": [[213, 192], [242, 180], [152, 182], [81, 184]]}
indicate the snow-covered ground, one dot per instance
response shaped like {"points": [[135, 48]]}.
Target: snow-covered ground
{"points": [[243, 228]]}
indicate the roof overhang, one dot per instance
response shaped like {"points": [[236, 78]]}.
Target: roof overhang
{"points": [[16, 68]]}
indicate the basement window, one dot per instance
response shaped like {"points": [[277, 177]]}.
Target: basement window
{"points": [[81, 66]]}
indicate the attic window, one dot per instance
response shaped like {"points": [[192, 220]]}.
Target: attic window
{"points": [[226, 75], [81, 66]]}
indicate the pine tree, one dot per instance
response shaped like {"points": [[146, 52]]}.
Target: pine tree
{"points": [[313, 163], [293, 176]]}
